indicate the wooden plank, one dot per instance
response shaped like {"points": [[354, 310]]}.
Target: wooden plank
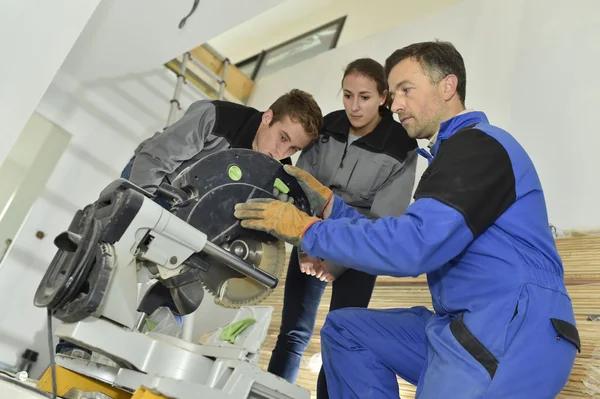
{"points": [[581, 258], [210, 60]]}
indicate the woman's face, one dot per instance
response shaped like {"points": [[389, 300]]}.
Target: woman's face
{"points": [[361, 99]]}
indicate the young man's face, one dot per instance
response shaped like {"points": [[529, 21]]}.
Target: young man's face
{"points": [[418, 102], [280, 140]]}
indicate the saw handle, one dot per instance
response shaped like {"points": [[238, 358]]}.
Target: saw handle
{"points": [[239, 265], [172, 194], [107, 195]]}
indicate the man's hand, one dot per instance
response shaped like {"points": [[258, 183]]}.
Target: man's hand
{"points": [[280, 219], [315, 267], [318, 195]]}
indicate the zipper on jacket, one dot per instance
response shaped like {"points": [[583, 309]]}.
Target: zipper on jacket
{"points": [[344, 155]]}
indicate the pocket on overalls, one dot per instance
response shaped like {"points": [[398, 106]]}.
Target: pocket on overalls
{"points": [[473, 346], [566, 331], [516, 319], [458, 364]]}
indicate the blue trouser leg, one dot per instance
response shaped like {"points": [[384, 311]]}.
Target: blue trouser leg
{"points": [[302, 295], [363, 351]]}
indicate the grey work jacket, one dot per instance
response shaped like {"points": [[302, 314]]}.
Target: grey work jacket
{"points": [[375, 174], [205, 128]]}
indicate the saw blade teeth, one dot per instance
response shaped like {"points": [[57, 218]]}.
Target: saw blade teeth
{"points": [[247, 292], [223, 290]]}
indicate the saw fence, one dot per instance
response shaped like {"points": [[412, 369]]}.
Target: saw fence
{"points": [[581, 257]]}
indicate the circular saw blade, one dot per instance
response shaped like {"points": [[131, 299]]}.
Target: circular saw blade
{"points": [[244, 291], [235, 176]]}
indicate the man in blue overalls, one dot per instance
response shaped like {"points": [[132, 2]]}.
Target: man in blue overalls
{"points": [[503, 324]]}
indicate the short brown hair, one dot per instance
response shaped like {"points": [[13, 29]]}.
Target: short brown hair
{"points": [[438, 60], [301, 108]]}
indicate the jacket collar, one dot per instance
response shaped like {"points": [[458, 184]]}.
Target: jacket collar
{"points": [[237, 123], [449, 127], [340, 129], [245, 137], [453, 125]]}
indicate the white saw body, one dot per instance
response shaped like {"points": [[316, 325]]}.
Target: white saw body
{"points": [[128, 237]]}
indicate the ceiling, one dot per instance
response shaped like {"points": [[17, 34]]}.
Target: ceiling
{"points": [[133, 36], [296, 17], [276, 25]]}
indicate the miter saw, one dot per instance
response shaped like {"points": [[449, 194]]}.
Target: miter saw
{"points": [[191, 242]]}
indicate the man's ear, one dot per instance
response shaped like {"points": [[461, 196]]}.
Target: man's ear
{"points": [[267, 117], [450, 85]]}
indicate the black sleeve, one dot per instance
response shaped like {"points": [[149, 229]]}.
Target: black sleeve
{"points": [[473, 174]]}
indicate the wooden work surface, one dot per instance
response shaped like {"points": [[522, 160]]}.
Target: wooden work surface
{"points": [[581, 258]]}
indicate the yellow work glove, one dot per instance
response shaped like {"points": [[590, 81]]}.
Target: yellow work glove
{"points": [[318, 195], [280, 219]]}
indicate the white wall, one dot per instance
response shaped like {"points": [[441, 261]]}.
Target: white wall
{"points": [[531, 66], [27, 168], [35, 37], [12, 174]]}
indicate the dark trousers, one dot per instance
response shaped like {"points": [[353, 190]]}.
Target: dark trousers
{"points": [[302, 295]]}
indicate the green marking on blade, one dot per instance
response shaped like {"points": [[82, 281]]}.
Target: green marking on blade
{"points": [[235, 173], [280, 185]]}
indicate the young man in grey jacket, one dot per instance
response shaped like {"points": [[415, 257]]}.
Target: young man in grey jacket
{"points": [[291, 123]]}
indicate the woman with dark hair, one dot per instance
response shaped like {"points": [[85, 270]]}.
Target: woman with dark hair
{"points": [[368, 159]]}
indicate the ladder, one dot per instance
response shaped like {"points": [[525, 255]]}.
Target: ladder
{"points": [[210, 72]]}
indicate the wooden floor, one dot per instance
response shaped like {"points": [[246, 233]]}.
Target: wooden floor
{"points": [[581, 257]]}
